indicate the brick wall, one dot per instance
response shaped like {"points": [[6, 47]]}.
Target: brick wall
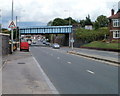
{"points": [[4, 44]]}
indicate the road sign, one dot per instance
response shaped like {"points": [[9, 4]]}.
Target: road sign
{"points": [[72, 40], [12, 25]]}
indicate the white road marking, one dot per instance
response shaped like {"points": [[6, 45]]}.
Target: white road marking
{"points": [[69, 62], [52, 87], [89, 71], [58, 57]]}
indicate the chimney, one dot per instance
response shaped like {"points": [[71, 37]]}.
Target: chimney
{"points": [[112, 12]]}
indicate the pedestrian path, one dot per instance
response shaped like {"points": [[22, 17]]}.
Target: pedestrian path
{"points": [[111, 57], [21, 75], [108, 56]]}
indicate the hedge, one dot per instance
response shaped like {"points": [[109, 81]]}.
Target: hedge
{"points": [[91, 35]]}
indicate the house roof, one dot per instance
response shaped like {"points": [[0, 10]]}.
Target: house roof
{"points": [[115, 16]]}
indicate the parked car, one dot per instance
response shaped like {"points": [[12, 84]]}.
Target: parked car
{"points": [[47, 43], [56, 46], [29, 41], [44, 42], [24, 46], [34, 41]]}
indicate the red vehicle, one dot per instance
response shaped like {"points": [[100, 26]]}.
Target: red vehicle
{"points": [[24, 46]]}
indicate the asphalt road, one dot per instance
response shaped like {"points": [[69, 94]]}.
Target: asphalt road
{"points": [[72, 74]]}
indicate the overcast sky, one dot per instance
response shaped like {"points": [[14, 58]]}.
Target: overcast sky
{"points": [[46, 10]]}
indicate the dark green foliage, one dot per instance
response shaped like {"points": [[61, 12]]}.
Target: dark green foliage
{"points": [[59, 22], [62, 22], [91, 35], [102, 20], [96, 25], [49, 23], [88, 21], [82, 23], [5, 31], [71, 21]]}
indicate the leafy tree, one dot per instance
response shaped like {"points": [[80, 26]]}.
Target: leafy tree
{"points": [[82, 23], [88, 21], [91, 35], [49, 23], [71, 21], [59, 22], [102, 20], [96, 25], [62, 22]]}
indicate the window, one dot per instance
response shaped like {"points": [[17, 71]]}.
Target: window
{"points": [[116, 34], [116, 22]]}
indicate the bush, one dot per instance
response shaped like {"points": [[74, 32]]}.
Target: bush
{"points": [[91, 35]]}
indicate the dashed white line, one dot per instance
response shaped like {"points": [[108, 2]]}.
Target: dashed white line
{"points": [[69, 62], [58, 57], [89, 71]]}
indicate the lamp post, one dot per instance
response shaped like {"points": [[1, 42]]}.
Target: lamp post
{"points": [[69, 24], [0, 21], [12, 30], [16, 29]]}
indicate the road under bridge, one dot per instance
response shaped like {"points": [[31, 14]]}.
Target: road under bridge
{"points": [[55, 30]]}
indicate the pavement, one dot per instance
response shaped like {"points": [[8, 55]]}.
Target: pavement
{"points": [[115, 61], [21, 74], [107, 56]]}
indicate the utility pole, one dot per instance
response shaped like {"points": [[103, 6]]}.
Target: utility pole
{"points": [[19, 32], [12, 31], [16, 28], [69, 25], [0, 21], [72, 40]]}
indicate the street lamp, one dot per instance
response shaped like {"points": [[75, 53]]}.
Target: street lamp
{"points": [[0, 21], [12, 30], [69, 23], [16, 28]]}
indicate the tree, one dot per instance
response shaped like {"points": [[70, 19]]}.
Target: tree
{"points": [[62, 22], [82, 23], [71, 21], [88, 21], [59, 22], [96, 25], [102, 20], [49, 23]]}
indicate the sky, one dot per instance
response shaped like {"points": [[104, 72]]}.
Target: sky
{"points": [[44, 11]]}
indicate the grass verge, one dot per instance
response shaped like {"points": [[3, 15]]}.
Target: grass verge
{"points": [[100, 44]]}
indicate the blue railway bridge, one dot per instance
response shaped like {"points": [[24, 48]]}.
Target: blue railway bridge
{"points": [[67, 30], [46, 30]]}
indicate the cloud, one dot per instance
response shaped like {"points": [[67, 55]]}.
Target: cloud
{"points": [[46, 10]]}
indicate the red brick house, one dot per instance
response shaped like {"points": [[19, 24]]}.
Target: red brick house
{"points": [[114, 25]]}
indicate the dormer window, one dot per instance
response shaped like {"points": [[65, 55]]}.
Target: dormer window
{"points": [[116, 22]]}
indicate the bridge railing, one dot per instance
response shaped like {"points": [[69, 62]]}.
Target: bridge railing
{"points": [[46, 29]]}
